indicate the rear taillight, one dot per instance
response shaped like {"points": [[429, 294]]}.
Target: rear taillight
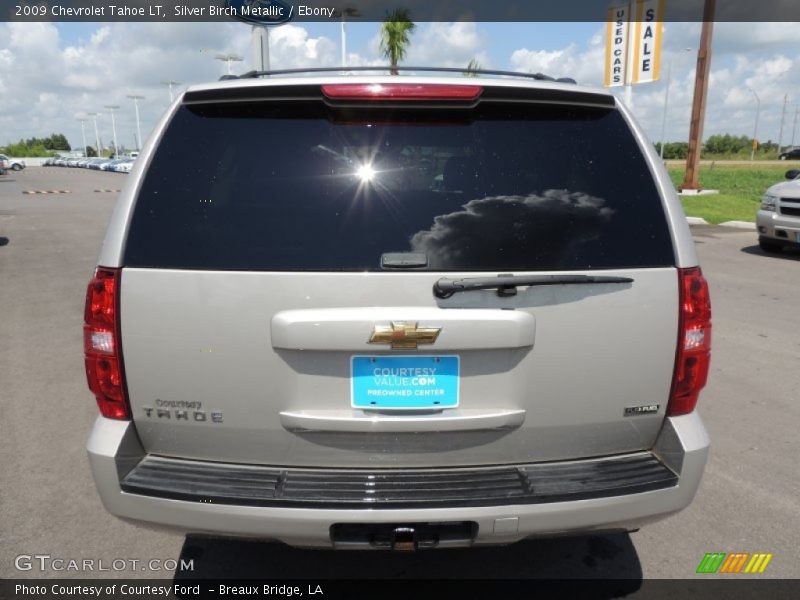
{"points": [[694, 342], [401, 91], [101, 345]]}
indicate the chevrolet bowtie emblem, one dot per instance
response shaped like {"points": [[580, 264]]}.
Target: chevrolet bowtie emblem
{"points": [[402, 334]]}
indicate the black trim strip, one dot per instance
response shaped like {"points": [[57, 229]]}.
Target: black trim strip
{"points": [[249, 485]]}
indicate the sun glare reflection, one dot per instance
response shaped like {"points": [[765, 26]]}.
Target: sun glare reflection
{"points": [[365, 173]]}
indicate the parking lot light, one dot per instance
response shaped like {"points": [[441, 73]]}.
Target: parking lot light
{"points": [[96, 132], [169, 83], [755, 127], [111, 108], [83, 135], [229, 58], [136, 99]]}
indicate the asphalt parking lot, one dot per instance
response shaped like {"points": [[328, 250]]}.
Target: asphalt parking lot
{"points": [[749, 500]]}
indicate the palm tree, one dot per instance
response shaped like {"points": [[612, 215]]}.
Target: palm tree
{"points": [[394, 36], [473, 66]]}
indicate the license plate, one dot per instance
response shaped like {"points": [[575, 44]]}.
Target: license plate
{"points": [[404, 382]]}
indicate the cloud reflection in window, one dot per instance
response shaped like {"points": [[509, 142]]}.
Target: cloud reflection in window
{"points": [[524, 231]]}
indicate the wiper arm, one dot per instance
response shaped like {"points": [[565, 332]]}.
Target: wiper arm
{"points": [[506, 285]]}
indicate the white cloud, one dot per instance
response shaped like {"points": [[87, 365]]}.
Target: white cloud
{"points": [[447, 45], [45, 81], [585, 66], [291, 47], [53, 82], [764, 57]]}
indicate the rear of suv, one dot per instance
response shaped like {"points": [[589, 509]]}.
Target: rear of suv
{"points": [[397, 312]]}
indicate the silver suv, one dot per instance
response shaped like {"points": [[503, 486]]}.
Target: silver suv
{"points": [[778, 219], [397, 312]]}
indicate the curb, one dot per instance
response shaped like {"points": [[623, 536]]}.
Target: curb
{"points": [[739, 224], [735, 224]]}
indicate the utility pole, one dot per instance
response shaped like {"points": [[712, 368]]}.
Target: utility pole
{"points": [[690, 180], [111, 108], [136, 99], [794, 126], [783, 116]]}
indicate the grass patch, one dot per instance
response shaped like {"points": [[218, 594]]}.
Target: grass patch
{"points": [[740, 187]]}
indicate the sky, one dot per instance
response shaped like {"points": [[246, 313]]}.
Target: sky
{"points": [[52, 74]]}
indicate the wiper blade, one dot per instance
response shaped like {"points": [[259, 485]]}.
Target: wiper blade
{"points": [[506, 285]]}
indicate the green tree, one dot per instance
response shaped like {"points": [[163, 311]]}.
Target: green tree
{"points": [[674, 150], [726, 144], [395, 32], [57, 141], [27, 148]]}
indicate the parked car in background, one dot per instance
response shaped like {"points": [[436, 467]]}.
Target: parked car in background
{"points": [[3, 165], [123, 166], [109, 165], [778, 219], [793, 154], [346, 325], [15, 164]]}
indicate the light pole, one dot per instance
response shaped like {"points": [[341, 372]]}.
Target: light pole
{"points": [[259, 37], [666, 103], [96, 132], [348, 11], [229, 58], [344, 40], [783, 116], [169, 83], [136, 99], [794, 125], [111, 108], [83, 135], [755, 127]]}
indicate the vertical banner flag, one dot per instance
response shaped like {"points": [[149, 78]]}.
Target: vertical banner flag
{"points": [[647, 41], [617, 45]]}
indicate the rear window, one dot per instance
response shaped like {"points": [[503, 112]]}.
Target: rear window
{"points": [[306, 187]]}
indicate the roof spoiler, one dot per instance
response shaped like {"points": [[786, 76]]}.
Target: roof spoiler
{"points": [[346, 70]]}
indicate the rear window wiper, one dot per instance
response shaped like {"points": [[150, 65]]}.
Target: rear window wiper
{"points": [[506, 285]]}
